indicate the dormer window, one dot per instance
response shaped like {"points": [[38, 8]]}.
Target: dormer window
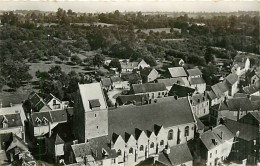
{"points": [[45, 121], [104, 153], [94, 103], [5, 122], [38, 121]]}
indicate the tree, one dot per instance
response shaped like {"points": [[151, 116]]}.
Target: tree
{"points": [[115, 64], [76, 59], [98, 60], [208, 55]]}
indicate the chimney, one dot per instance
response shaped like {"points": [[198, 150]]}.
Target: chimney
{"points": [[221, 135]]}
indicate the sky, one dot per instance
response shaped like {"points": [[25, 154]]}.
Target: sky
{"points": [[133, 5]]}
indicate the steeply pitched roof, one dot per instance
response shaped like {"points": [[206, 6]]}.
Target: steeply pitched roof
{"points": [[116, 79], [179, 154], [13, 120], [95, 148], [124, 99], [212, 138], [195, 81], [145, 117], [17, 143], [59, 116], [219, 89], [171, 81], [177, 72], [148, 87], [242, 104], [194, 72], [246, 132], [256, 115], [106, 82], [231, 78], [212, 95], [146, 71], [180, 91], [91, 92]]}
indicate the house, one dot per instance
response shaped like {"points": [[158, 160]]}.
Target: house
{"points": [[149, 74], [153, 90], [176, 156], [252, 118], [58, 144], [181, 91], [215, 145], [130, 134], [233, 108], [255, 79], [177, 72], [168, 82], [12, 121], [127, 66], [54, 103], [198, 84], [42, 123], [240, 68], [212, 98], [117, 82], [247, 141], [18, 153], [200, 104], [194, 73], [231, 82], [132, 99], [251, 90], [221, 91]]}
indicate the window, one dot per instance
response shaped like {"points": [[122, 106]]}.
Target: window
{"points": [[159, 93], [210, 155], [95, 115], [162, 93], [216, 151], [54, 102], [204, 110], [187, 133], [131, 151], [119, 153], [141, 148], [152, 145], [162, 142], [170, 134]]}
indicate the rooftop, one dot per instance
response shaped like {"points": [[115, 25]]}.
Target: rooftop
{"points": [[12, 120], [231, 78], [171, 113], [251, 89], [194, 72], [177, 72], [127, 99], [148, 87], [180, 91], [171, 81], [219, 89], [199, 80]]}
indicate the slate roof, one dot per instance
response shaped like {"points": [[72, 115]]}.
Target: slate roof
{"points": [[180, 91], [14, 120], [94, 147], [242, 104], [195, 81], [246, 132], [231, 78], [238, 95], [212, 95], [211, 136], [219, 89], [251, 89], [51, 116], [255, 100], [256, 115], [124, 99], [178, 154], [62, 133], [148, 87], [106, 82], [59, 116], [194, 72], [177, 72], [171, 81], [17, 143], [145, 117]]}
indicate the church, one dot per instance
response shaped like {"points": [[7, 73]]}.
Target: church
{"points": [[127, 135]]}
